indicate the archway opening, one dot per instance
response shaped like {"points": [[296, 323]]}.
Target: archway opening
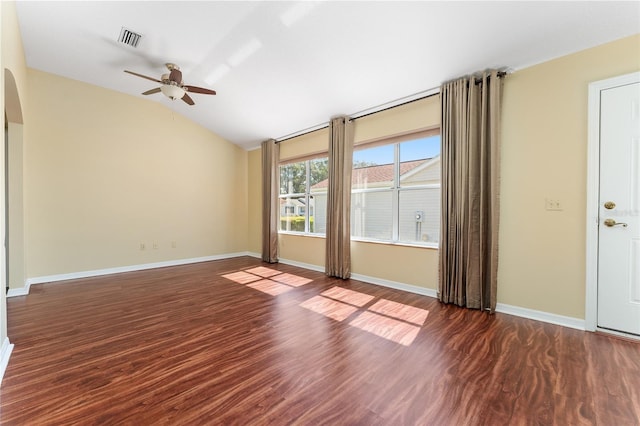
{"points": [[14, 252]]}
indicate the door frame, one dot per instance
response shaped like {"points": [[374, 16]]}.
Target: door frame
{"points": [[593, 193]]}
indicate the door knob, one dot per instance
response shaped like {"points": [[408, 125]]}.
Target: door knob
{"points": [[612, 222], [609, 205]]}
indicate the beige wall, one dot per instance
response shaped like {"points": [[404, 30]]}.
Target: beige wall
{"points": [[15, 76], [15, 210], [542, 253], [316, 142], [544, 155], [254, 191], [102, 179], [12, 50], [417, 115], [402, 264], [309, 250], [107, 172], [13, 72], [408, 265], [415, 266]]}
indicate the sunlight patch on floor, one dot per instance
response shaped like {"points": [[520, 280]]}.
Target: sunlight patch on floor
{"points": [[348, 296], [390, 320], [290, 279], [267, 280], [263, 272], [400, 311], [329, 308], [270, 287], [242, 277], [387, 328]]}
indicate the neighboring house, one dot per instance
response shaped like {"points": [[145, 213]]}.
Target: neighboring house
{"points": [[292, 213], [294, 207], [371, 206]]}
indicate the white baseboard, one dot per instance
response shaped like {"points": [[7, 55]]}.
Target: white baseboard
{"points": [[371, 280], [108, 271], [547, 317], [533, 314], [22, 291], [5, 353], [397, 285], [302, 265]]}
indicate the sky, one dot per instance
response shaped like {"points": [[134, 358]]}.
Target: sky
{"points": [[417, 149]]}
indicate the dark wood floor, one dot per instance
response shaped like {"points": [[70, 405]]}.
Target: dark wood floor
{"points": [[187, 345]]}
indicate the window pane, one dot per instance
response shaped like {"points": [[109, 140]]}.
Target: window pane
{"points": [[373, 168], [319, 170], [318, 214], [420, 162], [293, 178], [419, 215], [371, 215], [292, 214], [422, 148]]}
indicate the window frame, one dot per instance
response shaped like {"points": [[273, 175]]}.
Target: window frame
{"points": [[396, 188], [308, 210]]}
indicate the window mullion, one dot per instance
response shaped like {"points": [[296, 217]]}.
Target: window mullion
{"points": [[394, 168], [395, 202], [307, 228]]}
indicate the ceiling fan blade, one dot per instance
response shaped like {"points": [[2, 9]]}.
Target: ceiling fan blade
{"points": [[143, 76], [152, 91], [188, 99], [176, 75], [194, 89]]}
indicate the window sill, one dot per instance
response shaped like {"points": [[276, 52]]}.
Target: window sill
{"points": [[301, 234], [432, 246]]}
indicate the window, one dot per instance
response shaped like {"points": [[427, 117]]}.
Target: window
{"points": [[395, 192], [304, 184]]}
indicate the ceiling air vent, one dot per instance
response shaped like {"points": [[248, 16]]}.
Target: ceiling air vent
{"points": [[129, 37]]}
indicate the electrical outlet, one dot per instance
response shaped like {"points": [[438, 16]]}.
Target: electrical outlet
{"points": [[173, 244], [156, 246], [552, 204], [142, 246]]}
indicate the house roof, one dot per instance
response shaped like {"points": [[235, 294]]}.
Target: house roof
{"points": [[377, 173]]}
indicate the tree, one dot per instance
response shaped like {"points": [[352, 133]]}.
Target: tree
{"points": [[293, 176], [319, 170]]}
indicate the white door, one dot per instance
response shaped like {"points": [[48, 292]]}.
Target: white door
{"points": [[619, 210]]}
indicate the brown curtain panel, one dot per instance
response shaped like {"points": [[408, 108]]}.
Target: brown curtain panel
{"points": [[338, 250], [470, 191], [270, 201]]}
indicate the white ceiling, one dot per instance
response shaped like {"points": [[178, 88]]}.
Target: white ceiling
{"points": [[293, 65]]}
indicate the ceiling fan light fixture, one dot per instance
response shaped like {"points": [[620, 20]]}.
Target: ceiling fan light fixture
{"points": [[172, 91], [172, 86]]}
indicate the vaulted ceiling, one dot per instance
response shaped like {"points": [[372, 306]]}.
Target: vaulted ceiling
{"points": [[283, 67]]}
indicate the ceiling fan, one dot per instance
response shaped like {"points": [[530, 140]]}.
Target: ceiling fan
{"points": [[172, 85]]}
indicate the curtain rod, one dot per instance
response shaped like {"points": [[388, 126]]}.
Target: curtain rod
{"points": [[500, 74], [383, 107], [477, 80]]}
